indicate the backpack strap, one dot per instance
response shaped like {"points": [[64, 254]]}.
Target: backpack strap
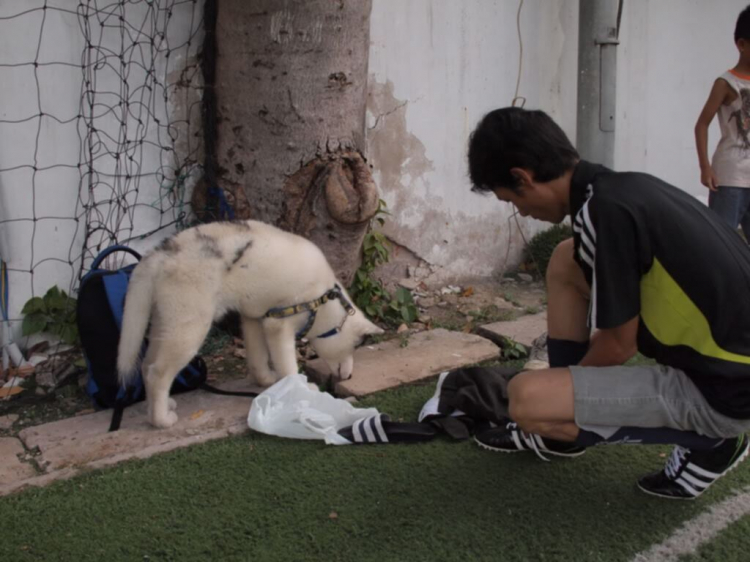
{"points": [[114, 425], [119, 408], [111, 250]]}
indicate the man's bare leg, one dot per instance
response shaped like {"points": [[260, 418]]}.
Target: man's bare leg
{"points": [[542, 401], [567, 296]]}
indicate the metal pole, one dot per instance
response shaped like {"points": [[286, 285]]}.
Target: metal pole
{"points": [[598, 28]]}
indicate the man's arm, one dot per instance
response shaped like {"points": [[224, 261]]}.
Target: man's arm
{"points": [[719, 95], [612, 346]]}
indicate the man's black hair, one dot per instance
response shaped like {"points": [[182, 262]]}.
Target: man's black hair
{"points": [[512, 137], [742, 29]]}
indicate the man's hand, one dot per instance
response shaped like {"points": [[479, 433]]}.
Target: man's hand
{"points": [[613, 346], [709, 179]]}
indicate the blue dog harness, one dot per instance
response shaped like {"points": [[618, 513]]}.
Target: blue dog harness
{"points": [[312, 307]]}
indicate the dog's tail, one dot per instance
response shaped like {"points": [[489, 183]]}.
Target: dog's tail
{"points": [[135, 319]]}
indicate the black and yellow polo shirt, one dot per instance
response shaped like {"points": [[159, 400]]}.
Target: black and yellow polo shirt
{"points": [[649, 249]]}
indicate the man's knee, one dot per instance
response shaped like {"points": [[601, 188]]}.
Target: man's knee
{"points": [[563, 268], [561, 262], [521, 399]]}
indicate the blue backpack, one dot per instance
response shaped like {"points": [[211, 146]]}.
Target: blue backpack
{"points": [[101, 302]]}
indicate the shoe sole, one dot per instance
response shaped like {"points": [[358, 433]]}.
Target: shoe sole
{"points": [[546, 451], [737, 461]]}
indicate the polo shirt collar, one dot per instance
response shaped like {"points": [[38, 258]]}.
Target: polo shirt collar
{"points": [[584, 175]]}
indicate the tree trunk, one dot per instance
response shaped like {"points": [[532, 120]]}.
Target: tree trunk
{"points": [[290, 90]]}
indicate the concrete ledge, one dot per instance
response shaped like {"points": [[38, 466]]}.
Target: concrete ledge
{"points": [[387, 364], [523, 330], [69, 446]]}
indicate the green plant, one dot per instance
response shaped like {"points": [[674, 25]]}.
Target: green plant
{"points": [[540, 248], [368, 293], [490, 313], [511, 349], [54, 313]]}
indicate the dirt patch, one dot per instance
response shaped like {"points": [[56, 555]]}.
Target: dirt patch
{"points": [[470, 305], [28, 408]]}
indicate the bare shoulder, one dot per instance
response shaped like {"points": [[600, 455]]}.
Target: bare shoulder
{"points": [[724, 91]]}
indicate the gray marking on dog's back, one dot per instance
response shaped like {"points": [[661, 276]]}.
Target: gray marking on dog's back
{"points": [[209, 245], [168, 245], [239, 252]]}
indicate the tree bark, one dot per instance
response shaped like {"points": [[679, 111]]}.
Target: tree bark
{"points": [[290, 90]]}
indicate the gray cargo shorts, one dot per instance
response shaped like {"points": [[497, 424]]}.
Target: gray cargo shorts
{"points": [[607, 398]]}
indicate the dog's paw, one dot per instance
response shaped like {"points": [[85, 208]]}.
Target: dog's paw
{"points": [[166, 421], [264, 379]]}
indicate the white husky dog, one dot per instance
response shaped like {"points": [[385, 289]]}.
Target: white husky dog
{"points": [[280, 283]]}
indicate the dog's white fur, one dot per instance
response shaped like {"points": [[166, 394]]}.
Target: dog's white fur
{"points": [[197, 276]]}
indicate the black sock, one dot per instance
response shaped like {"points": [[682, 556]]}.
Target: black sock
{"points": [[563, 353], [650, 436]]}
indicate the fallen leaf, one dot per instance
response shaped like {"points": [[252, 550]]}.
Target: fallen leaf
{"points": [[241, 353], [197, 414], [86, 411], [468, 292], [10, 391], [402, 328], [333, 515]]}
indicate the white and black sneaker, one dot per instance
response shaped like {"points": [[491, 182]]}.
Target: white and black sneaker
{"points": [[687, 474], [510, 439]]}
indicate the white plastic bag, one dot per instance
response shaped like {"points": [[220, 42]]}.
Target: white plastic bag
{"points": [[290, 408]]}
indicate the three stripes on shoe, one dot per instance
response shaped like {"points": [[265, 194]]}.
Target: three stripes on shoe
{"points": [[690, 477], [370, 430]]}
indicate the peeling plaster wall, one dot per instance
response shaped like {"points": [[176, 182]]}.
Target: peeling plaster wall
{"points": [[671, 52], [436, 67]]}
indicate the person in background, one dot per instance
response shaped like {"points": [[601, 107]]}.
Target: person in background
{"points": [[727, 176]]}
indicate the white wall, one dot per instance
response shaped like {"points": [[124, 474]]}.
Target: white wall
{"points": [[41, 213], [671, 52], [436, 67]]}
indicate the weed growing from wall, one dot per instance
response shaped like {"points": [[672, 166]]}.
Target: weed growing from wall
{"points": [[369, 293]]}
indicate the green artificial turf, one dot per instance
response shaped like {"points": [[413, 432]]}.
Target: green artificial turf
{"points": [[259, 498]]}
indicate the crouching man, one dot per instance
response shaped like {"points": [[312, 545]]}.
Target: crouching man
{"points": [[649, 269]]}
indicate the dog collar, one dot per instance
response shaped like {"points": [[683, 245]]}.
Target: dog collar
{"points": [[312, 307]]}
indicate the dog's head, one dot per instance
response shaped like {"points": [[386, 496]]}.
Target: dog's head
{"points": [[338, 350]]}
